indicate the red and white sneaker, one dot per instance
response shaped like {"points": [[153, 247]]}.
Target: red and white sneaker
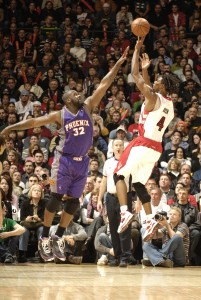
{"points": [[151, 229], [126, 219]]}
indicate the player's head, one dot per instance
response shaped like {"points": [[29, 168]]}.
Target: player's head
{"points": [[168, 82], [73, 98]]}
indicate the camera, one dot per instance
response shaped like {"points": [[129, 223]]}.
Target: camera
{"points": [[160, 216], [44, 176]]}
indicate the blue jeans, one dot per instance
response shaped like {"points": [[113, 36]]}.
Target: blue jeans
{"points": [[106, 241], [173, 249]]}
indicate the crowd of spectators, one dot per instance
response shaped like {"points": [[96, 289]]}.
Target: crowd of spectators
{"points": [[49, 47]]}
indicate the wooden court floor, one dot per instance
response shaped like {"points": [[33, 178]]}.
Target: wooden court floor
{"points": [[87, 282]]}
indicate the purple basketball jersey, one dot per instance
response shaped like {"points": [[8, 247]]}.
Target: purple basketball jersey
{"points": [[76, 132]]}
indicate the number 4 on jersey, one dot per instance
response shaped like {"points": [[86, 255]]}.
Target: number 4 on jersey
{"points": [[160, 123]]}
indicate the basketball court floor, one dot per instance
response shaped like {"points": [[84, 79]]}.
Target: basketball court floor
{"points": [[87, 282]]}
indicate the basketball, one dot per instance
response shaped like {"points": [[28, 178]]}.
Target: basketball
{"points": [[140, 27]]}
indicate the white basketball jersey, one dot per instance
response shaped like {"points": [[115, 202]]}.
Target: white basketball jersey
{"points": [[152, 125]]}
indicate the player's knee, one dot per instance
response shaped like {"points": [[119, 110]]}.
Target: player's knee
{"points": [[54, 203], [71, 206], [117, 178], [142, 192]]}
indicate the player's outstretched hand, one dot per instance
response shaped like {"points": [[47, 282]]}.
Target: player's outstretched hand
{"points": [[145, 61], [139, 43], [5, 132], [124, 56]]}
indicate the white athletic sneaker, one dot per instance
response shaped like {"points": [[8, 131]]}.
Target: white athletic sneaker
{"points": [[45, 250], [102, 260], [58, 247], [151, 229], [126, 219]]}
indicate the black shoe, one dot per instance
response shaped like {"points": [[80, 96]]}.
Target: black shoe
{"points": [[77, 260], [123, 264], [113, 263], [132, 261], [59, 261], [9, 260], [146, 262], [167, 263], [22, 259], [86, 244]]}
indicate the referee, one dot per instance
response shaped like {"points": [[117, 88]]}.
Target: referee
{"points": [[121, 242]]}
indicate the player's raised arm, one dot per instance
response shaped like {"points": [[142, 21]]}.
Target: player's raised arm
{"points": [[147, 91], [105, 83], [34, 122], [145, 64]]}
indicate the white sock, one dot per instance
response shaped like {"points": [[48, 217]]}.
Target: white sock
{"points": [[149, 217], [124, 208]]}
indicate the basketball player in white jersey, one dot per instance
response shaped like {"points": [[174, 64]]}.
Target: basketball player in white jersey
{"points": [[140, 156]]}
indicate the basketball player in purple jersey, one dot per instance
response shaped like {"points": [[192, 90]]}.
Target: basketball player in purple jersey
{"points": [[70, 165]]}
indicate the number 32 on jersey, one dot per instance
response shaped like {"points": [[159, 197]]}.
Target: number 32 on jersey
{"points": [[78, 131]]}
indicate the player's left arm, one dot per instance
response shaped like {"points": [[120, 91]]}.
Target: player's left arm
{"points": [[145, 64], [105, 83], [150, 96]]}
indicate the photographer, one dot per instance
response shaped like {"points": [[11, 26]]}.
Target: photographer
{"points": [[175, 237], [45, 180]]}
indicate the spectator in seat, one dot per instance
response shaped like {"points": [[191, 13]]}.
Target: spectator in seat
{"points": [[9, 236], [31, 215], [74, 237], [175, 235]]}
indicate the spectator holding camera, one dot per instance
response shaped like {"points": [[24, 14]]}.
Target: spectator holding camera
{"points": [[45, 180], [175, 242], [156, 204]]}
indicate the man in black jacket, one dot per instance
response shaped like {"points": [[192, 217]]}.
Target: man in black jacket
{"points": [[191, 216]]}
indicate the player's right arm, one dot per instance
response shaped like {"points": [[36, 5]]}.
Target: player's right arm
{"points": [[102, 190], [34, 122], [95, 99], [150, 95]]}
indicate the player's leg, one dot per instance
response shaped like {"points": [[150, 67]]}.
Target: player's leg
{"points": [[71, 205], [44, 244], [145, 198], [126, 216], [127, 165], [74, 186]]}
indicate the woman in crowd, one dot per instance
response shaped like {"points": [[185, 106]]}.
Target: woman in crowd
{"points": [[47, 77], [7, 187], [181, 156], [193, 145], [173, 168], [31, 215], [30, 53], [5, 166]]}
